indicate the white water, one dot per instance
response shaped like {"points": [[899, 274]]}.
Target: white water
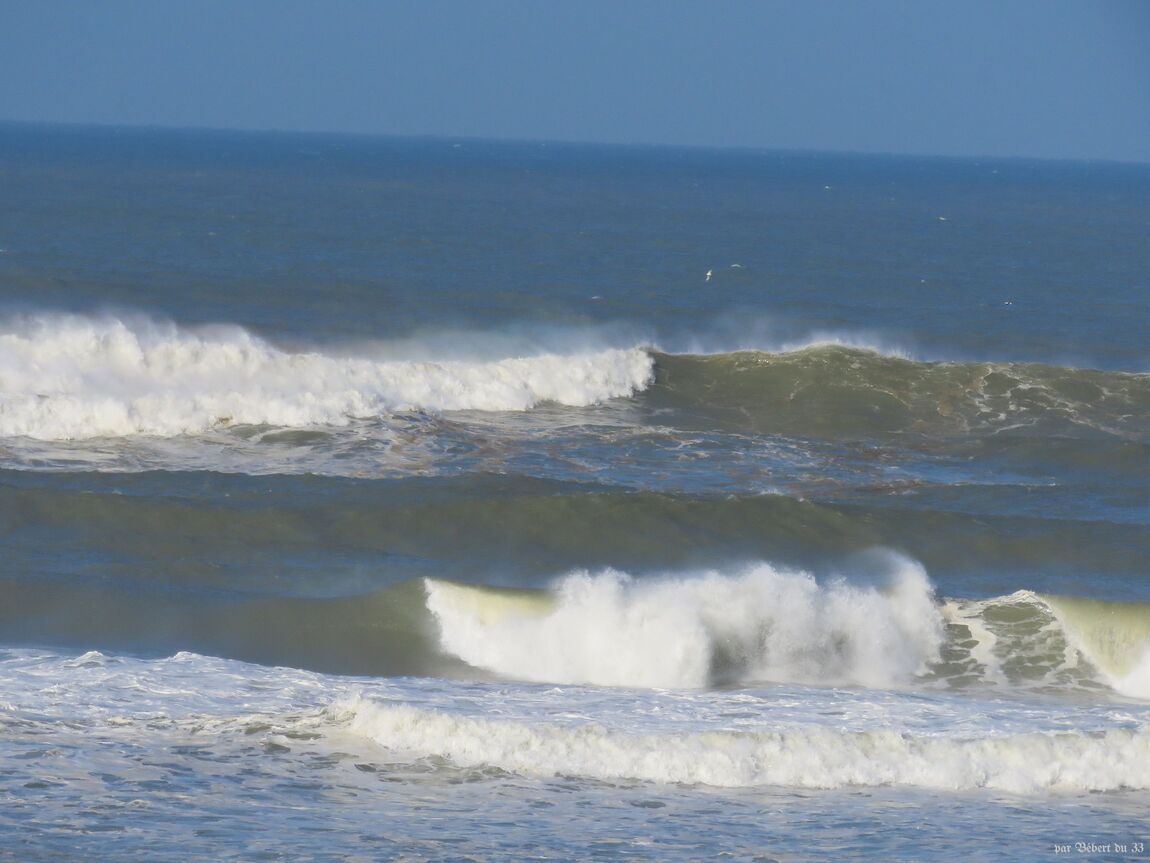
{"points": [[200, 713], [758, 624], [809, 757], [1136, 682], [74, 377]]}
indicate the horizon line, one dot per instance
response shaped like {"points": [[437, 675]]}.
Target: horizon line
{"points": [[749, 149]]}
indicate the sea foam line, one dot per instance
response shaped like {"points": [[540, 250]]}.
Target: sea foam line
{"points": [[813, 757], [73, 376]]}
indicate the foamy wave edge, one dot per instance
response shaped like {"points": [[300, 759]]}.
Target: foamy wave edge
{"points": [[757, 623], [73, 377], [804, 758]]}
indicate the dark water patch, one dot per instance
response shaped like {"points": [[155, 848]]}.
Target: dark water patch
{"points": [[276, 535], [385, 632]]}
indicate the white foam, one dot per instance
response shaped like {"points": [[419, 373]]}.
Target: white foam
{"points": [[1136, 682], [969, 614], [813, 757], [72, 376], [760, 623], [782, 735]]}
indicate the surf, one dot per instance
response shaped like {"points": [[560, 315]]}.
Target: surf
{"points": [[754, 624], [66, 377], [762, 624], [804, 757], [75, 377]]}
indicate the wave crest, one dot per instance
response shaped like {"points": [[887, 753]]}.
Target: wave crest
{"points": [[760, 624], [72, 376]]}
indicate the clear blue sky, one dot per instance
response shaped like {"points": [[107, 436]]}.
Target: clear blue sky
{"points": [[1045, 78]]}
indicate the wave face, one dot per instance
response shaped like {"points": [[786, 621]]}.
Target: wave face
{"points": [[761, 624], [1053, 644], [68, 377], [1115, 637], [815, 757], [831, 390], [768, 624]]}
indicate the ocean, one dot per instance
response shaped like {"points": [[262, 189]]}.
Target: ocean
{"points": [[425, 499]]}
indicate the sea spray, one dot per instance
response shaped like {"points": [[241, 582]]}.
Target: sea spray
{"points": [[758, 623], [71, 376]]}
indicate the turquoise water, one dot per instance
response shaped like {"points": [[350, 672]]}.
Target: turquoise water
{"points": [[429, 499]]}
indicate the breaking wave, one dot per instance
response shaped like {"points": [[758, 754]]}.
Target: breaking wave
{"points": [[761, 624], [66, 377], [769, 624], [753, 625], [72, 377]]}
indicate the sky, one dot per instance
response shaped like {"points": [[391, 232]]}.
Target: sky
{"points": [[1032, 78]]}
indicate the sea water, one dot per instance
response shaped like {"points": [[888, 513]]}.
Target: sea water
{"points": [[372, 499]]}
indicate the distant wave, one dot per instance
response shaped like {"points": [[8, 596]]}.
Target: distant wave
{"points": [[71, 376], [764, 339], [65, 377]]}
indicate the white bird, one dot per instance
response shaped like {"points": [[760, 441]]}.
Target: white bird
{"points": [[709, 272]]}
